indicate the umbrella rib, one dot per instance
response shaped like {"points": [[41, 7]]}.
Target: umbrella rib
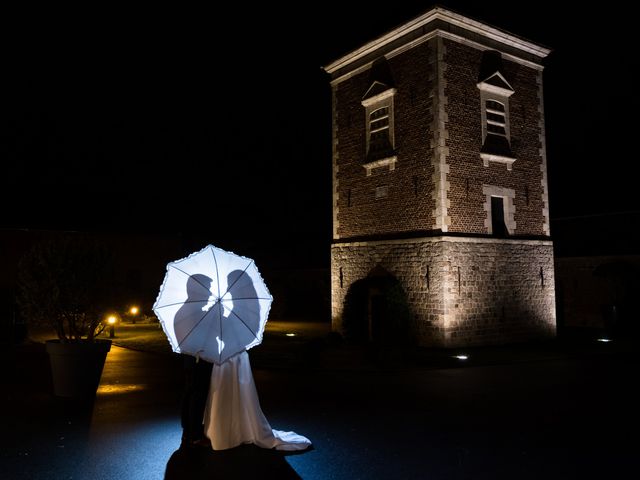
{"points": [[243, 322], [182, 303], [220, 311], [244, 298], [215, 261], [229, 287], [192, 277], [193, 328]]}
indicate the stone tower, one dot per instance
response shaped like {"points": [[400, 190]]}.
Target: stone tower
{"points": [[440, 202]]}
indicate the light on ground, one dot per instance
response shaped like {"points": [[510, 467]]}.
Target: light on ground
{"points": [[115, 389], [604, 340], [461, 357], [290, 334]]}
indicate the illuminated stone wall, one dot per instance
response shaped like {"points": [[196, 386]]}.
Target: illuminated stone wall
{"points": [[460, 291]]}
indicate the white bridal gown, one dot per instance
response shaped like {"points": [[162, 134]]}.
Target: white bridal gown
{"points": [[233, 415]]}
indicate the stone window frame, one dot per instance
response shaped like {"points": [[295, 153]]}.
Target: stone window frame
{"points": [[489, 92], [372, 104], [508, 195]]}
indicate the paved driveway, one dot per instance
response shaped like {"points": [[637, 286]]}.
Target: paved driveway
{"points": [[548, 414]]}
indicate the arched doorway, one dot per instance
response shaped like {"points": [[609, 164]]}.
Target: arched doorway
{"points": [[376, 309]]}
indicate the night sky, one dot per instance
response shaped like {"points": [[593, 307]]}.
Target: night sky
{"points": [[217, 122]]}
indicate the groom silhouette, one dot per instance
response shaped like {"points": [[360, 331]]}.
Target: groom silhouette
{"points": [[197, 372]]}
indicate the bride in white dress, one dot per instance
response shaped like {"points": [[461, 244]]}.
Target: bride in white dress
{"points": [[233, 415]]}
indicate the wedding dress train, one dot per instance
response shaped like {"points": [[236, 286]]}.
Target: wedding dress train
{"points": [[233, 415]]}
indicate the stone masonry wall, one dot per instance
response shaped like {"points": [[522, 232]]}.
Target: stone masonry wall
{"points": [[460, 291], [498, 291]]}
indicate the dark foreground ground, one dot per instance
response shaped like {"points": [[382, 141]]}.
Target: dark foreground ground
{"points": [[566, 409]]}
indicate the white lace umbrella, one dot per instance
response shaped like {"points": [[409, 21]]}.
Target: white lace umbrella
{"points": [[213, 304]]}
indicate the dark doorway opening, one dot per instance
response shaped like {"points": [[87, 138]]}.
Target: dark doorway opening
{"points": [[498, 226], [376, 310], [377, 314]]}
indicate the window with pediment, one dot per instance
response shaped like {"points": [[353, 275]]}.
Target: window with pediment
{"points": [[495, 91], [378, 103]]}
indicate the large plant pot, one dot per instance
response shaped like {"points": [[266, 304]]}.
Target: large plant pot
{"points": [[76, 367]]}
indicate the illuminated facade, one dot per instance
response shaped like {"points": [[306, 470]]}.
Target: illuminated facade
{"points": [[440, 203]]}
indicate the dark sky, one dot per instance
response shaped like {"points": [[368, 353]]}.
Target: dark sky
{"points": [[179, 119]]}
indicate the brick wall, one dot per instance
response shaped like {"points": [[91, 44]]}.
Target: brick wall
{"points": [[408, 204], [467, 174]]}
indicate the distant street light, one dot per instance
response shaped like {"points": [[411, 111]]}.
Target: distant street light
{"points": [[133, 311], [111, 320]]}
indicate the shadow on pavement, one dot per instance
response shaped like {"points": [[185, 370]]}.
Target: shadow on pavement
{"points": [[245, 461]]}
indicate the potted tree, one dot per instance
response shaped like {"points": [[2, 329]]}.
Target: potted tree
{"points": [[65, 282]]}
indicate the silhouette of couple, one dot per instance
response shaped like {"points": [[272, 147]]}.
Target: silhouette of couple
{"points": [[220, 405]]}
